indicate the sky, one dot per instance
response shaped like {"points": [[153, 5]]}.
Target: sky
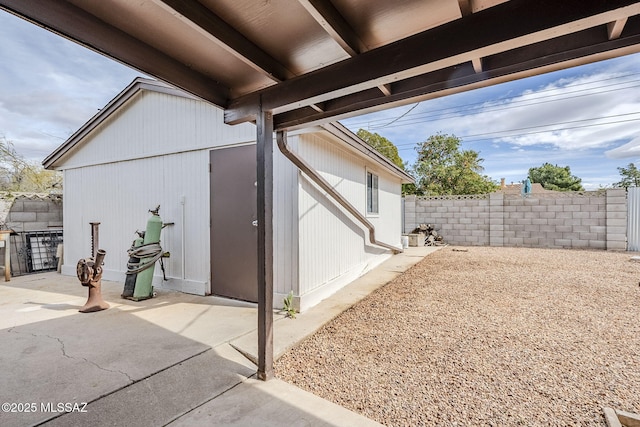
{"points": [[587, 118]]}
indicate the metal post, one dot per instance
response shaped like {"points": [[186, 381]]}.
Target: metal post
{"points": [[95, 239], [264, 157]]}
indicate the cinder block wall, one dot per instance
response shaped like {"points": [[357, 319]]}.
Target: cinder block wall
{"points": [[462, 220], [25, 213], [556, 220], [596, 220], [616, 212], [37, 213]]}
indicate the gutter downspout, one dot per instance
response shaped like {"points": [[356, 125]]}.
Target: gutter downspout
{"points": [[182, 236], [304, 167]]}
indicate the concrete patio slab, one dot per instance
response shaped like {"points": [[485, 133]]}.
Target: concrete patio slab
{"points": [[271, 404], [53, 354], [153, 362], [167, 395], [288, 332]]}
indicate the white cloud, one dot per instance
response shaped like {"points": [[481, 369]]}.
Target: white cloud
{"points": [[50, 86], [630, 149], [571, 114], [570, 117], [579, 104]]}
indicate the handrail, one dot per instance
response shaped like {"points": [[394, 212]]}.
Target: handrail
{"points": [[281, 137]]}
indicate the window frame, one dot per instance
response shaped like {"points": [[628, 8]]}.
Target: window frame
{"points": [[372, 199]]}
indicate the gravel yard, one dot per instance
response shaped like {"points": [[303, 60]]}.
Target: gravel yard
{"points": [[485, 336]]}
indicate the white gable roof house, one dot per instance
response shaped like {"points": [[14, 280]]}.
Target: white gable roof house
{"points": [[336, 213]]}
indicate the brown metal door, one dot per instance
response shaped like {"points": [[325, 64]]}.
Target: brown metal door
{"points": [[234, 259]]}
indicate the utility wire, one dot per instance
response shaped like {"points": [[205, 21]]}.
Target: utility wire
{"points": [[555, 89], [398, 118], [443, 112], [512, 106], [552, 95], [48, 134]]}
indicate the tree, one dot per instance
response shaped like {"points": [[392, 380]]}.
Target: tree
{"points": [[630, 177], [382, 145], [556, 178], [442, 168], [18, 174]]}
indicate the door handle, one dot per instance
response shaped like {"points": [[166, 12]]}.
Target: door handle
{"points": [[254, 222]]}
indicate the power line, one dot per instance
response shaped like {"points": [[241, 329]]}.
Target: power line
{"points": [[546, 96], [512, 106], [48, 134], [468, 108], [398, 118], [481, 103]]}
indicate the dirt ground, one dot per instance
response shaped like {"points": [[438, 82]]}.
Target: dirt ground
{"points": [[485, 336]]}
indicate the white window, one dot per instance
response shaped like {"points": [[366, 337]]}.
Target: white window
{"points": [[372, 193]]}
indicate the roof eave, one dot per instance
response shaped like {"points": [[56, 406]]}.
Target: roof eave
{"points": [[137, 85], [343, 133]]}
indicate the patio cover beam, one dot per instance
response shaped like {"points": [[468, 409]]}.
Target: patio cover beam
{"points": [[498, 29], [325, 13], [340, 31], [537, 58], [223, 34], [466, 7]]}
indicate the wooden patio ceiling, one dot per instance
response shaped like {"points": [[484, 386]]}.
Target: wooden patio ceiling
{"points": [[292, 63], [313, 61]]}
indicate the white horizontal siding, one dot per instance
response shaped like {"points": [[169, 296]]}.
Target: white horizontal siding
{"points": [[119, 195], [152, 124]]}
